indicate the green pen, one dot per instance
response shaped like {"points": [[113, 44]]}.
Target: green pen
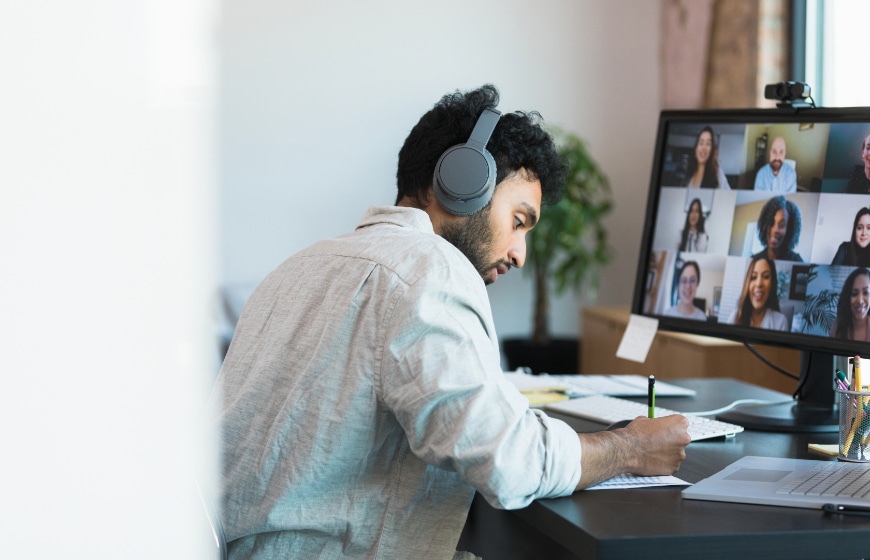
{"points": [[651, 397], [842, 380]]}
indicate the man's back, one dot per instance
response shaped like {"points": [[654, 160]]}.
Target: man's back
{"points": [[344, 419]]}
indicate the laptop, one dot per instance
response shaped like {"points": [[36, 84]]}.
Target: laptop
{"points": [[802, 483]]}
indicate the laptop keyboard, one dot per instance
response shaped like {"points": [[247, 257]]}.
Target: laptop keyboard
{"points": [[606, 410], [832, 479]]}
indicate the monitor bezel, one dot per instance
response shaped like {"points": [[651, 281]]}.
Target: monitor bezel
{"points": [[668, 118]]}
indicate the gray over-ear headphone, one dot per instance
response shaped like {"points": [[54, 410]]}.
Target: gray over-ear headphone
{"points": [[465, 174]]}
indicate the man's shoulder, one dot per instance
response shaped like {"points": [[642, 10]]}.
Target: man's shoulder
{"points": [[409, 254], [763, 175], [788, 181]]}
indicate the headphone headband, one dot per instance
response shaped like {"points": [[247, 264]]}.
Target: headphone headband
{"points": [[484, 127]]}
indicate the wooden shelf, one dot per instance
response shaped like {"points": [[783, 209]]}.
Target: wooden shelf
{"points": [[679, 355]]}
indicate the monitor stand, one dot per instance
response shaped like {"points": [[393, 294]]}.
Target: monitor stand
{"points": [[814, 410]]}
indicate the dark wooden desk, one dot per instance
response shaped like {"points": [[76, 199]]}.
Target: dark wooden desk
{"points": [[656, 523]]}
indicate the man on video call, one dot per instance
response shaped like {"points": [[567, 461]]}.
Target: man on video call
{"points": [[362, 402], [776, 175]]}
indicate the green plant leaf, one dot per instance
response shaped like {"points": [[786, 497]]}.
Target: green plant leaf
{"points": [[570, 243]]}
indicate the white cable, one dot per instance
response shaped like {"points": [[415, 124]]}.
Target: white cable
{"points": [[736, 403]]}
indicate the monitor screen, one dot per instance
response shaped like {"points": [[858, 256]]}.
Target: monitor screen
{"points": [[758, 230]]}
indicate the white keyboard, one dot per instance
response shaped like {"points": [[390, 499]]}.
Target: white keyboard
{"points": [[607, 410]]}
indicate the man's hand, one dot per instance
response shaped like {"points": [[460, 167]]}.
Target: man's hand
{"points": [[646, 447]]}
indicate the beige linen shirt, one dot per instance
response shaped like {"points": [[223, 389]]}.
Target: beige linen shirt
{"points": [[362, 403]]}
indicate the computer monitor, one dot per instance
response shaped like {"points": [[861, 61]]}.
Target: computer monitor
{"points": [[750, 235]]}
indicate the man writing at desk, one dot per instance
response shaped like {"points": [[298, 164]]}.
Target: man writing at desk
{"points": [[362, 401]]}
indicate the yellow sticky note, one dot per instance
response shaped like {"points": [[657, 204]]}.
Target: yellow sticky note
{"points": [[540, 398], [827, 449]]}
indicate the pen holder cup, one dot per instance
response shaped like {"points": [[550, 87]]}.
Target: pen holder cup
{"points": [[854, 440]]}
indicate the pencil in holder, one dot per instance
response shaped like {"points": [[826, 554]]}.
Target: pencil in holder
{"points": [[854, 440]]}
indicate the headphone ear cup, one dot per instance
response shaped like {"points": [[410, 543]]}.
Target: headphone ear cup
{"points": [[464, 179]]}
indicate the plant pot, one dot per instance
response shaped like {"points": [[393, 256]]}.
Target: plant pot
{"points": [[559, 356]]}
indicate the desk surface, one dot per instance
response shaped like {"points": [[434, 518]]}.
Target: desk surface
{"points": [[655, 523]]}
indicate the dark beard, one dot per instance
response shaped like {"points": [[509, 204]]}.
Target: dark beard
{"points": [[473, 237]]}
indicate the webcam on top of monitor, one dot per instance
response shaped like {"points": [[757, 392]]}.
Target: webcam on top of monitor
{"points": [[790, 94]]}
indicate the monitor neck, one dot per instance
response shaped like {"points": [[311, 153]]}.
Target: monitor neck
{"points": [[814, 409]]}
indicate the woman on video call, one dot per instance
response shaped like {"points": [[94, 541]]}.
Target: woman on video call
{"points": [[687, 282], [704, 170], [779, 229], [856, 252], [852, 319], [693, 238], [758, 305]]}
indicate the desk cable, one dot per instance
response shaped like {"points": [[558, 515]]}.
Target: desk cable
{"points": [[734, 404]]}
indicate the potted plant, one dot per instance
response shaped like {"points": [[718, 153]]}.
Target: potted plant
{"points": [[820, 310], [566, 248]]}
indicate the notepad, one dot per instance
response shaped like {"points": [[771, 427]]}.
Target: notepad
{"points": [[632, 481]]}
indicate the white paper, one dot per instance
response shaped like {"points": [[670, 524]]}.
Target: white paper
{"points": [[638, 338], [631, 481], [526, 382]]}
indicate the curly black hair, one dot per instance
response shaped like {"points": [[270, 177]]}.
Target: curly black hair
{"points": [[768, 215], [518, 141]]}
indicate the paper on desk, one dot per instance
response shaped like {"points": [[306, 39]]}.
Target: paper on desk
{"points": [[827, 449], [638, 338], [539, 399], [537, 383], [631, 481], [539, 389]]}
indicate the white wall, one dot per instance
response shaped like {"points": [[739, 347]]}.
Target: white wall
{"points": [[107, 211], [107, 207], [317, 98]]}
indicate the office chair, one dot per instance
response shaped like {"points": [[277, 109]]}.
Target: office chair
{"points": [[214, 523]]}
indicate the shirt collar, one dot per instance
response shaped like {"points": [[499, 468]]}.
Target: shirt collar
{"points": [[397, 215]]}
